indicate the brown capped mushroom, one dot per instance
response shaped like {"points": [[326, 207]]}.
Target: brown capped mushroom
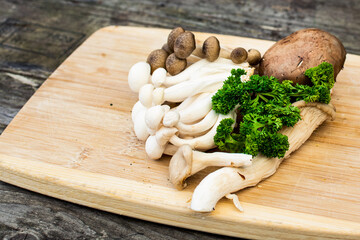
{"points": [[254, 57], [167, 49], [211, 50], [173, 36], [157, 59], [175, 65], [184, 45], [239, 55]]}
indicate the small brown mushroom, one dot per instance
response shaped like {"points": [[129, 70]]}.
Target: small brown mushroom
{"points": [[254, 57], [173, 36], [157, 59], [239, 55], [175, 65], [166, 48], [184, 45], [211, 50]]}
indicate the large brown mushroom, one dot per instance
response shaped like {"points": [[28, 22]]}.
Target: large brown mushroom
{"points": [[290, 57]]}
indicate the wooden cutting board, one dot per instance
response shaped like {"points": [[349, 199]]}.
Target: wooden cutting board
{"points": [[73, 140]]}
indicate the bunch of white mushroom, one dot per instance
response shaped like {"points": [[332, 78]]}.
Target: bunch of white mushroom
{"points": [[174, 114]]}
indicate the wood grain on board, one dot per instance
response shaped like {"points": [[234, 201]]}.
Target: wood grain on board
{"points": [[73, 140]]}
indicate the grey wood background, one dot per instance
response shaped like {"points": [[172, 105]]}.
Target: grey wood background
{"points": [[36, 36]]}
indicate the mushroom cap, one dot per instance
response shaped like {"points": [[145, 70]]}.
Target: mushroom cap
{"points": [[167, 49], [138, 76], [239, 55], [175, 65], [171, 118], [254, 56], [153, 149], [154, 116], [173, 36], [184, 45], [157, 59], [158, 77], [146, 95], [211, 48], [180, 166]]}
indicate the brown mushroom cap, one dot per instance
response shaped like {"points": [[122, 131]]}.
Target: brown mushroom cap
{"points": [[254, 56], [239, 55], [166, 48], [175, 65], [173, 36], [184, 45], [157, 59], [211, 48]]}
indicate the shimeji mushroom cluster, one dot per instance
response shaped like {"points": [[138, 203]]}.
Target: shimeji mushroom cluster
{"points": [[174, 113]]}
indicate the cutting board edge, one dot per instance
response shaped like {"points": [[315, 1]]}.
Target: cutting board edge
{"points": [[46, 181]]}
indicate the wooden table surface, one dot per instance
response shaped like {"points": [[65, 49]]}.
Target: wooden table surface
{"points": [[36, 36]]}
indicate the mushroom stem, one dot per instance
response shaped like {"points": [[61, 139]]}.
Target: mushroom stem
{"points": [[181, 91], [204, 142], [200, 127], [228, 180], [217, 159], [198, 109], [186, 162], [159, 78]]}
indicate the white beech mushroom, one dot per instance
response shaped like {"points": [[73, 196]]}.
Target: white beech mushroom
{"points": [[181, 91], [199, 108], [149, 96], [139, 75], [228, 180], [203, 67], [200, 127], [204, 142], [156, 144], [186, 162], [154, 117], [140, 127]]}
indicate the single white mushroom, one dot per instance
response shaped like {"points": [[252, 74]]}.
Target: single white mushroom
{"points": [[154, 117], [140, 127], [198, 109], [200, 127], [204, 142], [137, 108], [172, 117], [186, 162], [139, 75], [181, 91], [146, 95], [228, 180], [156, 144]]}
